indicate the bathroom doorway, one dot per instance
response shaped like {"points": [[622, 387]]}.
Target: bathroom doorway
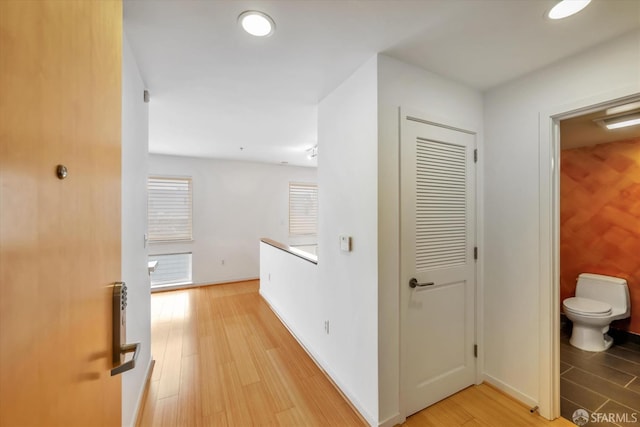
{"points": [[598, 231]]}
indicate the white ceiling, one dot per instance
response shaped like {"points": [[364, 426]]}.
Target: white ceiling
{"points": [[215, 89]]}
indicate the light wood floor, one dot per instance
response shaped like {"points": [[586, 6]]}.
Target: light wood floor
{"points": [[223, 358]]}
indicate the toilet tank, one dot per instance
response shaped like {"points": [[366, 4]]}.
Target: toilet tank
{"points": [[612, 290]]}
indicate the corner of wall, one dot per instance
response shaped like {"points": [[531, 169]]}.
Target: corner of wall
{"points": [[135, 133], [388, 257], [347, 185]]}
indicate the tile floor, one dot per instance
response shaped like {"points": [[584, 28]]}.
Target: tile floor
{"points": [[607, 383]]}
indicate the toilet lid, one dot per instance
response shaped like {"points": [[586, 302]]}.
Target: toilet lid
{"points": [[587, 306]]}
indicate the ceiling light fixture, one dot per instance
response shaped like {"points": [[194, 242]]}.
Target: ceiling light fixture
{"points": [[257, 23], [622, 121], [623, 108], [566, 8]]}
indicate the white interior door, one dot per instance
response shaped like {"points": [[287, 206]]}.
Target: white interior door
{"points": [[437, 244]]}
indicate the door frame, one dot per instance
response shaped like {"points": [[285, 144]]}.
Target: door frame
{"points": [[549, 237], [452, 124]]}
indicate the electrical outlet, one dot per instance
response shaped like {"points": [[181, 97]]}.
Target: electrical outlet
{"points": [[269, 277], [222, 262], [326, 326]]}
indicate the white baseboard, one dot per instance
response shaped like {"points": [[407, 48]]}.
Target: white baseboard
{"points": [[143, 390], [516, 394], [392, 421], [355, 403]]}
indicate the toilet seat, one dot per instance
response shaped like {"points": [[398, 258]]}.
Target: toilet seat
{"points": [[587, 307]]}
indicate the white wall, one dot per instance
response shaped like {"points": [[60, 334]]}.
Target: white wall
{"points": [[512, 226], [348, 205], [234, 205], [135, 131], [358, 177], [290, 285], [442, 101]]}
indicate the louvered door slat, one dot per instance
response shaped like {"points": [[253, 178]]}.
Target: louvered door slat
{"points": [[441, 194]]}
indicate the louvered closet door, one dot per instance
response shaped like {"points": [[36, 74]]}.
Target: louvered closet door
{"points": [[437, 240]]}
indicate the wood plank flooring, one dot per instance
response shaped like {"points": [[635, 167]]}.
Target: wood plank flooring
{"points": [[480, 406], [224, 359]]}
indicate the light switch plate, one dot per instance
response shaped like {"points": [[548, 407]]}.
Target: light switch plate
{"points": [[345, 243]]}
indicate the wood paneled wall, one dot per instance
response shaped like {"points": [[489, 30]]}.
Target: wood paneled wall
{"points": [[600, 218]]}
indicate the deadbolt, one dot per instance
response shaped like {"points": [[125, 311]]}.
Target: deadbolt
{"points": [[61, 171]]}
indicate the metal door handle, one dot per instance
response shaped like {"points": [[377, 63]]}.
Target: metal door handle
{"points": [[413, 283], [119, 331], [127, 366]]}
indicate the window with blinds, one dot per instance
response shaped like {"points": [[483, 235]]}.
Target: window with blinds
{"points": [[303, 209], [169, 209], [172, 269]]}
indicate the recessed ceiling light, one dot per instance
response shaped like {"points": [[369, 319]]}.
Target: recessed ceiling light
{"points": [[566, 8], [256, 23]]}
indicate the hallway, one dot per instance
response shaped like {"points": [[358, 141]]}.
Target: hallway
{"points": [[224, 359], [254, 372]]}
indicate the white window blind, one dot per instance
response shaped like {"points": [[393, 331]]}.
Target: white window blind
{"points": [[303, 209], [169, 209], [172, 269]]}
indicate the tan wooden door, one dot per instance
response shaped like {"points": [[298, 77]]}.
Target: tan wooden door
{"points": [[60, 103]]}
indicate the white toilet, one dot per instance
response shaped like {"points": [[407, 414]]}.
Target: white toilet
{"points": [[599, 300]]}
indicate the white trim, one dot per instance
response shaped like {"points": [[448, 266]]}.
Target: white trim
{"points": [[394, 420], [429, 122], [447, 123], [516, 394], [481, 256], [141, 392], [549, 296]]}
